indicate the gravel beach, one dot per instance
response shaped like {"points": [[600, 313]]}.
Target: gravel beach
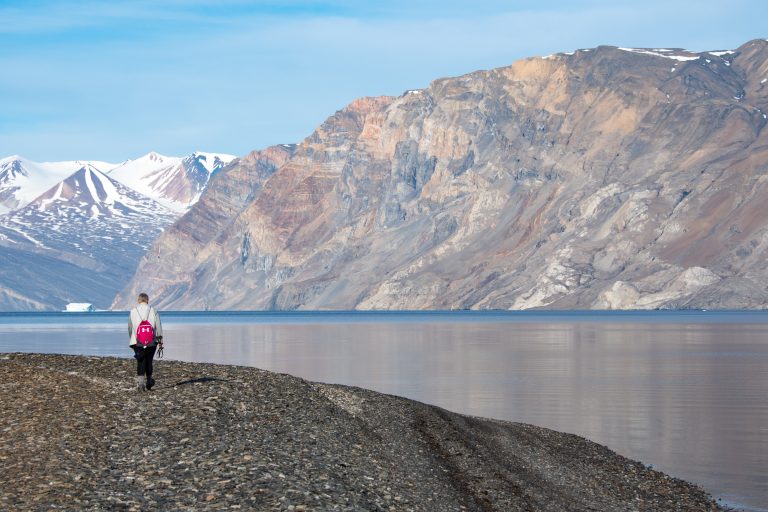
{"points": [[75, 435]]}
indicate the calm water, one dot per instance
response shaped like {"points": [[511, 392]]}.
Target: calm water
{"points": [[686, 392]]}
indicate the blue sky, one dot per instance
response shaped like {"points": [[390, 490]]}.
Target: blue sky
{"points": [[114, 80]]}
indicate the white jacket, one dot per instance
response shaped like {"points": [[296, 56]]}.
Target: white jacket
{"points": [[143, 312]]}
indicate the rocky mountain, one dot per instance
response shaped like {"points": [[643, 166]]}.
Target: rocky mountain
{"points": [[81, 240], [174, 182], [602, 178]]}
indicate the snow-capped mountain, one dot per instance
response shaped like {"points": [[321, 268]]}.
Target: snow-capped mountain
{"points": [[22, 180], [175, 182], [84, 237], [75, 231]]}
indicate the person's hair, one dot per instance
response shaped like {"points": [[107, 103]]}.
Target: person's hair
{"points": [[143, 297]]}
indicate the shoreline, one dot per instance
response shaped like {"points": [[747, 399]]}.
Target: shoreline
{"points": [[209, 437]]}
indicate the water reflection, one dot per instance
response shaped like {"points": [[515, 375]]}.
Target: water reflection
{"points": [[689, 398]]}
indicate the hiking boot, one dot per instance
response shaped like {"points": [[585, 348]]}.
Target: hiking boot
{"points": [[141, 383], [150, 383]]}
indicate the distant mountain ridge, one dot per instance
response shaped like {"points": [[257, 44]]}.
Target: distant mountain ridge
{"points": [[22, 180], [176, 182], [605, 178], [94, 226], [73, 232]]}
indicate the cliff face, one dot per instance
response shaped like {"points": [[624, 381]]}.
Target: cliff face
{"points": [[606, 178]]}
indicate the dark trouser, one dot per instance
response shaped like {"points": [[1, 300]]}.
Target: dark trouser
{"points": [[144, 358]]}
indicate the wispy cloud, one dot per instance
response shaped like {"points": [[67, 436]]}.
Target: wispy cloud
{"points": [[232, 76], [48, 16]]}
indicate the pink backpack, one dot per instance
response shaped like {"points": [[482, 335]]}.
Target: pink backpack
{"points": [[145, 334]]}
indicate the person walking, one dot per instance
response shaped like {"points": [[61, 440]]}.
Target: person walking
{"points": [[146, 334]]}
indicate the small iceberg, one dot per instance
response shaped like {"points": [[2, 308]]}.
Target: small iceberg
{"points": [[79, 307]]}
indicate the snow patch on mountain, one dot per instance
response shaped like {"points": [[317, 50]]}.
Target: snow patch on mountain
{"points": [[664, 53], [213, 161]]}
